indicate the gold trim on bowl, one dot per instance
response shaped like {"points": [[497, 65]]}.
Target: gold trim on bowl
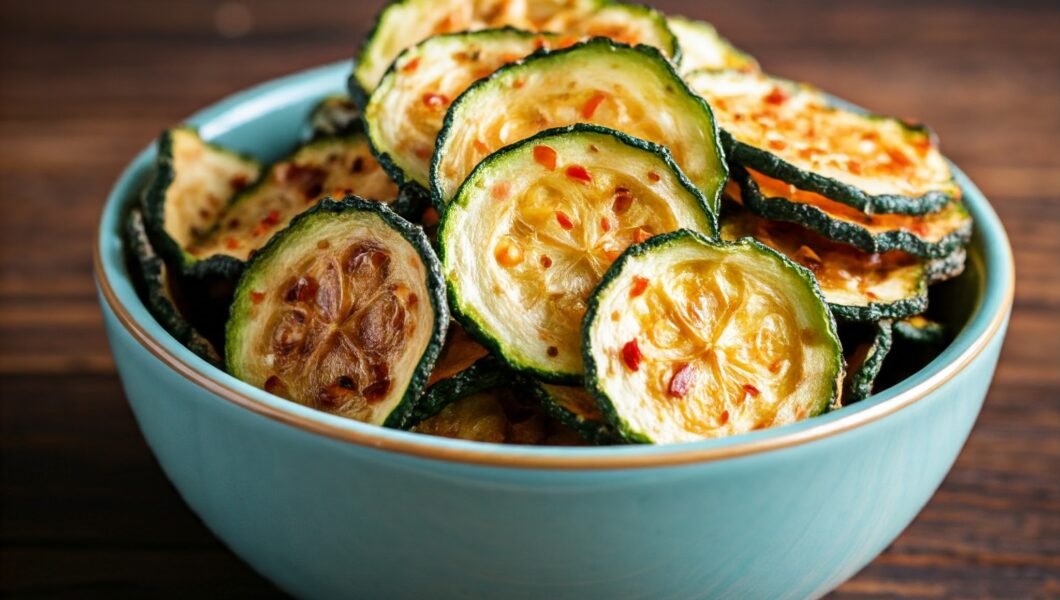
{"points": [[571, 461]]}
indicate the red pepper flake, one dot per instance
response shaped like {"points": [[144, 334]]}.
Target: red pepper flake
{"points": [[682, 381], [411, 66], [423, 153], [500, 190], [776, 97], [778, 144], [654, 177], [751, 390], [257, 297], [545, 156], [430, 217], [723, 418], [623, 200], [605, 224], [239, 182], [272, 218], [578, 173], [641, 235], [631, 355], [639, 285], [564, 220], [540, 43], [232, 243], [546, 261], [481, 147], [589, 108], [275, 385], [553, 351], [259, 230], [435, 100]]}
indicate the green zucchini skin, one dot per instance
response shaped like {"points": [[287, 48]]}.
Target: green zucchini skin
{"points": [[711, 186], [818, 220], [863, 370], [690, 32], [468, 320], [151, 279], [153, 202], [414, 235], [487, 373], [877, 311], [599, 433], [920, 330], [593, 374]]}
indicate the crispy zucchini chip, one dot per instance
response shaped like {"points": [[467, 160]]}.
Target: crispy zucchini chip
{"points": [[630, 89], [934, 235], [323, 167], [702, 47], [406, 111], [858, 286], [576, 408], [867, 348], [344, 312], [152, 278], [921, 330], [459, 354], [194, 182], [536, 226], [335, 116], [793, 133], [405, 23], [687, 339]]}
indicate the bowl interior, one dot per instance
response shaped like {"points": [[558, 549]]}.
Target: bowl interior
{"points": [[268, 120]]}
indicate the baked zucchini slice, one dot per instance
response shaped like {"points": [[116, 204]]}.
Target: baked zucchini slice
{"points": [[921, 330], [537, 224], [702, 47], [404, 23], [459, 353], [478, 405], [867, 348], [335, 116], [152, 280], [344, 311], [193, 183], [934, 235], [793, 133], [687, 339], [858, 286], [631, 89], [327, 166], [576, 408], [406, 111]]}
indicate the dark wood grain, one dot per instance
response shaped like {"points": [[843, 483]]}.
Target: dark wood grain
{"points": [[84, 508]]}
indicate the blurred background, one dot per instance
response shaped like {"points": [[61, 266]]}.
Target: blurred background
{"points": [[84, 509]]}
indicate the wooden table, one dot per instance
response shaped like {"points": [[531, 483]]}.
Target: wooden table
{"points": [[83, 86]]}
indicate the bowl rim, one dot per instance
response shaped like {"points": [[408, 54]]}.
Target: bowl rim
{"points": [[987, 321]]}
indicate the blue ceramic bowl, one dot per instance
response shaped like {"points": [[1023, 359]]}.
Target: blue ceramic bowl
{"points": [[327, 507]]}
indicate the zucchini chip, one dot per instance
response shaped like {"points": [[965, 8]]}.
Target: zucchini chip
{"points": [[343, 311], [631, 89], [868, 350], [703, 48], [935, 235], [406, 111], [921, 330], [327, 166], [335, 116], [793, 133], [193, 183], [858, 286], [404, 23], [150, 276], [577, 409], [458, 354], [687, 339], [536, 226], [477, 405]]}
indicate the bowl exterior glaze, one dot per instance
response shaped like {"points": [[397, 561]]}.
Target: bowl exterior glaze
{"points": [[323, 518]]}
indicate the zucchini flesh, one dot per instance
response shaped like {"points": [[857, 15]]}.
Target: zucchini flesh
{"points": [[476, 405], [576, 408], [150, 275], [193, 183], [406, 111], [791, 132], [858, 286], [934, 235], [405, 23], [687, 339], [343, 312], [335, 116], [536, 226], [326, 166], [867, 352], [703, 48], [631, 89]]}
